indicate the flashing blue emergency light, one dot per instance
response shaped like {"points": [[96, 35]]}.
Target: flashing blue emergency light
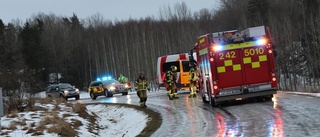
{"points": [[218, 47], [261, 41], [104, 78]]}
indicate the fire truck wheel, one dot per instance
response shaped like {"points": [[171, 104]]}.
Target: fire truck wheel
{"points": [[213, 103], [204, 99]]}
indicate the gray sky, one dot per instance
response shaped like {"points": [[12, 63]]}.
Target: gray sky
{"points": [[109, 9]]}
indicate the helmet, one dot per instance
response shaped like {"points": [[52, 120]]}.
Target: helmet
{"points": [[174, 68], [141, 73], [192, 69]]}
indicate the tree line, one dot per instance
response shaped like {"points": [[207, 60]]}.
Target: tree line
{"points": [[83, 49]]}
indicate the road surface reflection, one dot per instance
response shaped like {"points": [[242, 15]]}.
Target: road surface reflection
{"points": [[276, 126]]}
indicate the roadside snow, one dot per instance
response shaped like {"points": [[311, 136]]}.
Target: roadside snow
{"points": [[113, 121], [303, 93]]}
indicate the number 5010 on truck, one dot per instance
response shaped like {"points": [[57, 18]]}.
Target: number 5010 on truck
{"points": [[236, 65]]}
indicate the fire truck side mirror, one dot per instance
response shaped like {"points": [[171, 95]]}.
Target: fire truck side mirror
{"points": [[275, 52]]}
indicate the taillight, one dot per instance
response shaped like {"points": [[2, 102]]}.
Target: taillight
{"points": [[274, 80], [215, 87]]}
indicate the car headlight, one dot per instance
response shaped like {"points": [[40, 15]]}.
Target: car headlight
{"points": [[112, 88], [77, 90], [66, 92], [126, 85]]}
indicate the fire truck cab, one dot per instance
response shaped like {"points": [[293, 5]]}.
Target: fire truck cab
{"points": [[236, 65]]}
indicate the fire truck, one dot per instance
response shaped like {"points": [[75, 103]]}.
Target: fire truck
{"points": [[181, 61], [236, 65]]}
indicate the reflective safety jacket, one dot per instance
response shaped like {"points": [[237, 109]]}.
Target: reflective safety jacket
{"points": [[170, 77], [122, 79], [192, 75], [141, 84]]}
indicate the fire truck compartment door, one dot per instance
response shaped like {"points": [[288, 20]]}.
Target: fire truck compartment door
{"points": [[229, 68], [255, 64]]}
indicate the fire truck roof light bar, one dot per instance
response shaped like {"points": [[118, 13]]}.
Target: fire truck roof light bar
{"points": [[217, 47], [261, 41]]}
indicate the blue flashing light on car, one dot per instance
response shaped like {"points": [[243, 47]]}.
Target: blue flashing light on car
{"points": [[104, 78]]}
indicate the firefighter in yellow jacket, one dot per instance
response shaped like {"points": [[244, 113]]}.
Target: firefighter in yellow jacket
{"points": [[171, 80], [141, 86], [193, 81]]}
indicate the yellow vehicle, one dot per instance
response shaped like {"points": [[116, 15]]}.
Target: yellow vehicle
{"points": [[107, 87], [181, 61]]}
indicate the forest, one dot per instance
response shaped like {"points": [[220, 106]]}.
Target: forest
{"points": [[83, 49]]}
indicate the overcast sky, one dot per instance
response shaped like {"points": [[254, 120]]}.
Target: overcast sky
{"points": [[109, 9]]}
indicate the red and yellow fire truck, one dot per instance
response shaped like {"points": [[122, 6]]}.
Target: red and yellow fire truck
{"points": [[236, 65]]}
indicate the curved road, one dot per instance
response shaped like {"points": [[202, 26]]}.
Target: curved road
{"points": [[286, 115]]}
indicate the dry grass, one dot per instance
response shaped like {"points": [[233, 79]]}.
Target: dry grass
{"points": [[52, 123], [25, 128], [66, 115], [80, 108], [4, 134], [82, 112], [57, 125], [45, 101], [33, 124], [13, 114], [37, 133], [76, 123], [31, 130]]}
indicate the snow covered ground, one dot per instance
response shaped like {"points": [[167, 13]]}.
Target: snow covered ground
{"points": [[303, 93], [113, 121]]}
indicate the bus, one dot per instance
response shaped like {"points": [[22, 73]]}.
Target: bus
{"points": [[181, 61]]}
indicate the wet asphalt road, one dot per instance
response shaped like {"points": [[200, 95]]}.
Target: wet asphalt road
{"points": [[287, 115]]}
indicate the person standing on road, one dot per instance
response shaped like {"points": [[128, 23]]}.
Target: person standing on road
{"points": [[141, 86], [122, 79], [171, 81], [193, 81]]}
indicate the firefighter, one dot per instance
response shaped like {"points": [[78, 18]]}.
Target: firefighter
{"points": [[193, 81], [171, 80], [141, 86], [122, 79]]}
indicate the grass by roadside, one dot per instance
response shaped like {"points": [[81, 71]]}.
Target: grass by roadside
{"points": [[64, 124]]}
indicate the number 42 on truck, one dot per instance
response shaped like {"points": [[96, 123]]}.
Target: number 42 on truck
{"points": [[236, 65]]}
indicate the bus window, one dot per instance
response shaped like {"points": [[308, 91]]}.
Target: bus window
{"points": [[167, 66], [185, 65]]}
